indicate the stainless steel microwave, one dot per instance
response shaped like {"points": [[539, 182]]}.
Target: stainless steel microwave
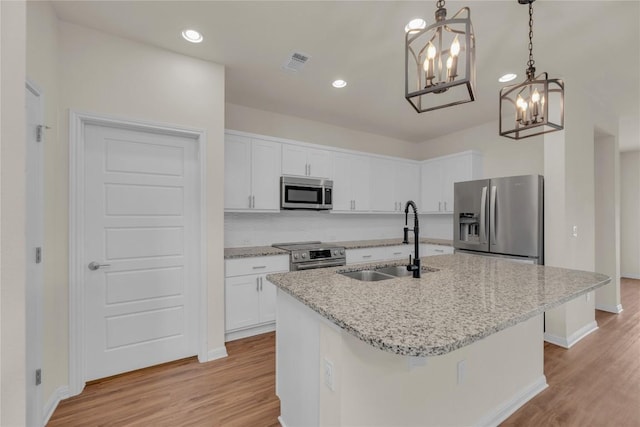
{"points": [[305, 193]]}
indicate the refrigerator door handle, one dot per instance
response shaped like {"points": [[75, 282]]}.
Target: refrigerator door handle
{"points": [[483, 219], [492, 215]]}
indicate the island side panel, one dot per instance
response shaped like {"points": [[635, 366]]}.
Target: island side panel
{"points": [[297, 362]]}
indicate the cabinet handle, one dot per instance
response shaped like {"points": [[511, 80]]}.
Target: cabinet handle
{"points": [[257, 284], [439, 250], [249, 201], [309, 173], [253, 201], [439, 206], [397, 253], [255, 267], [354, 205], [261, 284], [445, 206], [366, 256]]}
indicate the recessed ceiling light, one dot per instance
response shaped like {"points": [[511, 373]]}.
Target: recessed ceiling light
{"points": [[507, 77], [192, 36], [339, 83], [415, 24]]}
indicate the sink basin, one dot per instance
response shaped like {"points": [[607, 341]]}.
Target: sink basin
{"points": [[367, 275], [396, 270]]}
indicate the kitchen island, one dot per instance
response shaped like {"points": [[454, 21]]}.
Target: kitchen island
{"points": [[462, 345]]}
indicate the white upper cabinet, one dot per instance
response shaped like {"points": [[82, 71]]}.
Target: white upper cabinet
{"points": [[393, 183], [383, 185], [438, 176], [251, 174], [407, 184], [306, 161], [351, 186]]}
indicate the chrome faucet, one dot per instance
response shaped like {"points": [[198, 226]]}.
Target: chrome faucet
{"points": [[415, 266]]}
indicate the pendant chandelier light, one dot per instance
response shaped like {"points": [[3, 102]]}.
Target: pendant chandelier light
{"points": [[440, 61], [535, 106]]}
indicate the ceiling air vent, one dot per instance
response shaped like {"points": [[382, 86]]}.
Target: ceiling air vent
{"points": [[295, 62]]}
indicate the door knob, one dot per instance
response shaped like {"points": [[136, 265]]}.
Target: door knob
{"points": [[94, 265]]}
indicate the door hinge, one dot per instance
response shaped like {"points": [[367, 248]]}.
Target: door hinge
{"points": [[38, 376], [38, 255]]}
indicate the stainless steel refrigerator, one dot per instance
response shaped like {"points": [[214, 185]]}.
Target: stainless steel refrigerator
{"points": [[500, 217]]}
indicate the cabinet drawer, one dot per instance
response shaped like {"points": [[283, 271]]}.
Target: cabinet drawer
{"points": [[256, 265], [399, 252], [355, 256], [428, 250]]}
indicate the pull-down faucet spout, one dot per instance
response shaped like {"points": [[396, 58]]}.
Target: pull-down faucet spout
{"points": [[415, 266]]}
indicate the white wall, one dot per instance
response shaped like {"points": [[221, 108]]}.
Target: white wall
{"points": [[630, 214], [42, 69], [262, 122], [12, 214], [89, 71]]}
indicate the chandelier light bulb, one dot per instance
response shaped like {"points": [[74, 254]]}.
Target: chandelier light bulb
{"points": [[536, 96], [431, 51], [455, 47]]}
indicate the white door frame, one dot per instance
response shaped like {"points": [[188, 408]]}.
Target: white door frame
{"points": [[34, 333], [77, 122]]}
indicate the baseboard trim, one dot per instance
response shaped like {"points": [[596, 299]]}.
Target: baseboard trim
{"points": [[570, 341], [249, 332], [616, 309], [503, 411], [281, 422], [216, 353], [58, 395], [630, 276]]}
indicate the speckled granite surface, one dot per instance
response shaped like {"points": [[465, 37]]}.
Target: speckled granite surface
{"points": [[468, 298], [254, 251], [358, 244]]}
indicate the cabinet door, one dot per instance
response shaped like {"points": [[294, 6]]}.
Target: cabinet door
{"points": [[360, 183], [237, 172], [383, 185], [342, 200], [266, 170], [319, 163], [267, 301], [431, 192], [454, 169], [407, 184], [242, 302], [294, 160]]}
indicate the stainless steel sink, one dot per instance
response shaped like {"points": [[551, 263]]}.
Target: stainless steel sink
{"points": [[396, 270], [367, 275]]}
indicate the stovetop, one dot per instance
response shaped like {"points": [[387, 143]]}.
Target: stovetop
{"points": [[303, 246]]}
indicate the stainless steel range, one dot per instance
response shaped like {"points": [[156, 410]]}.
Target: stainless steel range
{"points": [[308, 255]]}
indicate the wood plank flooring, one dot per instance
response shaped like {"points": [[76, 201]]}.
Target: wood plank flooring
{"points": [[595, 383]]}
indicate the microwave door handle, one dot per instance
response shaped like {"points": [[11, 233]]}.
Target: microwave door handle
{"points": [[483, 219], [492, 215]]}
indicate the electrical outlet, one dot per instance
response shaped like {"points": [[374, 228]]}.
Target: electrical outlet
{"points": [[328, 374], [575, 231], [462, 371]]}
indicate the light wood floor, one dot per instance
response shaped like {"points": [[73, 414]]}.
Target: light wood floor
{"points": [[595, 383]]}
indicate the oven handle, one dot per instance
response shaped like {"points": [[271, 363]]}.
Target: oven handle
{"points": [[310, 265]]}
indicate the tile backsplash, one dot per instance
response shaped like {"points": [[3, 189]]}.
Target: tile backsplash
{"points": [[259, 229]]}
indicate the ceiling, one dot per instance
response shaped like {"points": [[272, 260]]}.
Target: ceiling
{"points": [[593, 45]]}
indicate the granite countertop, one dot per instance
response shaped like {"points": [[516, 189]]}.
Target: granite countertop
{"points": [[256, 251], [467, 298]]}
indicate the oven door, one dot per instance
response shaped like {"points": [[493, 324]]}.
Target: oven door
{"points": [[300, 193]]}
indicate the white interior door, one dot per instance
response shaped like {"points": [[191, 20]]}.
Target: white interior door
{"points": [[141, 216]]}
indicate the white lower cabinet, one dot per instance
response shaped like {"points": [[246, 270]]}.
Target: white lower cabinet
{"points": [[428, 249], [380, 253], [250, 299]]}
